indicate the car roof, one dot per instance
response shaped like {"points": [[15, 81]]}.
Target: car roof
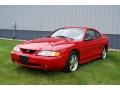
{"points": [[84, 28]]}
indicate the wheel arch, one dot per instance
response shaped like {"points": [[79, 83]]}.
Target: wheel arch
{"points": [[106, 47]]}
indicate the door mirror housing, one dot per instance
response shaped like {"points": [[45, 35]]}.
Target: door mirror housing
{"points": [[88, 38]]}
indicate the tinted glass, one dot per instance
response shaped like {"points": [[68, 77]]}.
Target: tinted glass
{"points": [[97, 35], [92, 33]]}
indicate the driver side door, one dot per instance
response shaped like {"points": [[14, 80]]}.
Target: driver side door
{"points": [[91, 46]]}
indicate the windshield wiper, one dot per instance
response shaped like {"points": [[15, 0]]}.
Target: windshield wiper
{"points": [[64, 37]]}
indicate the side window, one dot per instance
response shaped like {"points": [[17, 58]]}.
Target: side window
{"points": [[92, 33], [97, 35], [89, 33]]}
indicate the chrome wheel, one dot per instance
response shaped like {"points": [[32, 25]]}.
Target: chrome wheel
{"points": [[104, 54], [73, 63]]}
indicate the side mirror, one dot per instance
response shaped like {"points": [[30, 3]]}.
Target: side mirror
{"points": [[88, 38]]}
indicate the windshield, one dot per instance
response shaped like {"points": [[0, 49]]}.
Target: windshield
{"points": [[72, 33]]}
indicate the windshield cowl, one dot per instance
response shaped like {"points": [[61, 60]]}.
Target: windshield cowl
{"points": [[63, 37]]}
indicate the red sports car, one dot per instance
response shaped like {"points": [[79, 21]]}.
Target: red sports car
{"points": [[65, 49]]}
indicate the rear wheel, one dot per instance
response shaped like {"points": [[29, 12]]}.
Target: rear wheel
{"points": [[104, 54], [72, 63]]}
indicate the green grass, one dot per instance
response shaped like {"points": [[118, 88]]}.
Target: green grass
{"points": [[96, 72]]}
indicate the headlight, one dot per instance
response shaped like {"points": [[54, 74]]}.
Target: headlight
{"points": [[49, 53], [16, 49]]}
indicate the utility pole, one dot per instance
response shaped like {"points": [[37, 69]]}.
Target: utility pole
{"points": [[14, 30]]}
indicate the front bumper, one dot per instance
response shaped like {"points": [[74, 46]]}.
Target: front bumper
{"points": [[45, 63]]}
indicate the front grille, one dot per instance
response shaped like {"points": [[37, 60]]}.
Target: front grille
{"points": [[28, 51]]}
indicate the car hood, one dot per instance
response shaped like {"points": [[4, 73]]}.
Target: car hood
{"points": [[47, 44]]}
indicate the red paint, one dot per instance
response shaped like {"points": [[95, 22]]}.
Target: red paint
{"points": [[89, 50]]}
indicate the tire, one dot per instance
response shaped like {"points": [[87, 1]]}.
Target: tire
{"points": [[72, 62], [104, 54]]}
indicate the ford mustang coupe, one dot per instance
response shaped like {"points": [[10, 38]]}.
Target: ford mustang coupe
{"points": [[65, 49]]}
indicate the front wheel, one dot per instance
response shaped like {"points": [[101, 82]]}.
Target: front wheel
{"points": [[72, 63]]}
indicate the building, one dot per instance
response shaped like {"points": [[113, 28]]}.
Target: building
{"points": [[33, 21]]}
